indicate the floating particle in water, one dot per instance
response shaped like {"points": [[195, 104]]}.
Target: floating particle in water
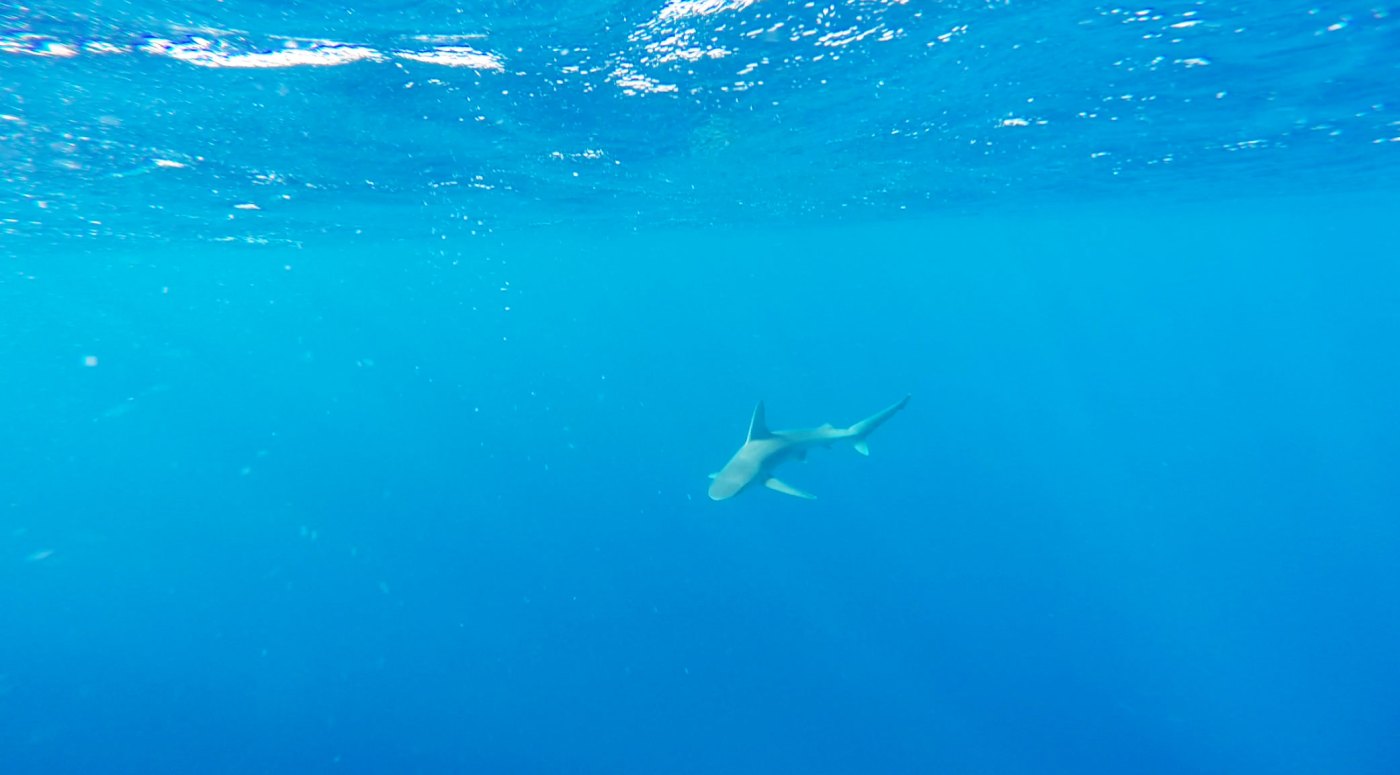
{"points": [[89, 360]]}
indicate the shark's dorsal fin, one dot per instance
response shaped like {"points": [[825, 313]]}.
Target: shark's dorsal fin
{"points": [[758, 426]]}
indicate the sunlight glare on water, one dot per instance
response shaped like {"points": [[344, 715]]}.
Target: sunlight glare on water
{"points": [[154, 119]]}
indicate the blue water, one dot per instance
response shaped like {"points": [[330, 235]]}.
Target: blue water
{"points": [[361, 368]]}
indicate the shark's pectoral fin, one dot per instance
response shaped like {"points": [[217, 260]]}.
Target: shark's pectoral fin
{"points": [[776, 485], [863, 448]]}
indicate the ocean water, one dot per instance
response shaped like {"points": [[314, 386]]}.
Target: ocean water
{"points": [[361, 367]]}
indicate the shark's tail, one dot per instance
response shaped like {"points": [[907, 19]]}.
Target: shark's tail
{"points": [[865, 427]]}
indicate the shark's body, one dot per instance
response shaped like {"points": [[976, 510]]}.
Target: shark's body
{"points": [[765, 450]]}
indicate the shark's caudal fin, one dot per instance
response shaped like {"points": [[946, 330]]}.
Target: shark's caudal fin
{"points": [[865, 427]]}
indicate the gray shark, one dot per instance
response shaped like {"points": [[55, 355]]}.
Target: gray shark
{"points": [[765, 450]]}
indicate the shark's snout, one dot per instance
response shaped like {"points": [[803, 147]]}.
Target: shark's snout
{"points": [[723, 490]]}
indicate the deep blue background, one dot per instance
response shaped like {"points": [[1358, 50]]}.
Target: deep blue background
{"points": [[407, 379], [356, 516]]}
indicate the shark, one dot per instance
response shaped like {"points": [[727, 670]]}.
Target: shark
{"points": [[764, 450]]}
